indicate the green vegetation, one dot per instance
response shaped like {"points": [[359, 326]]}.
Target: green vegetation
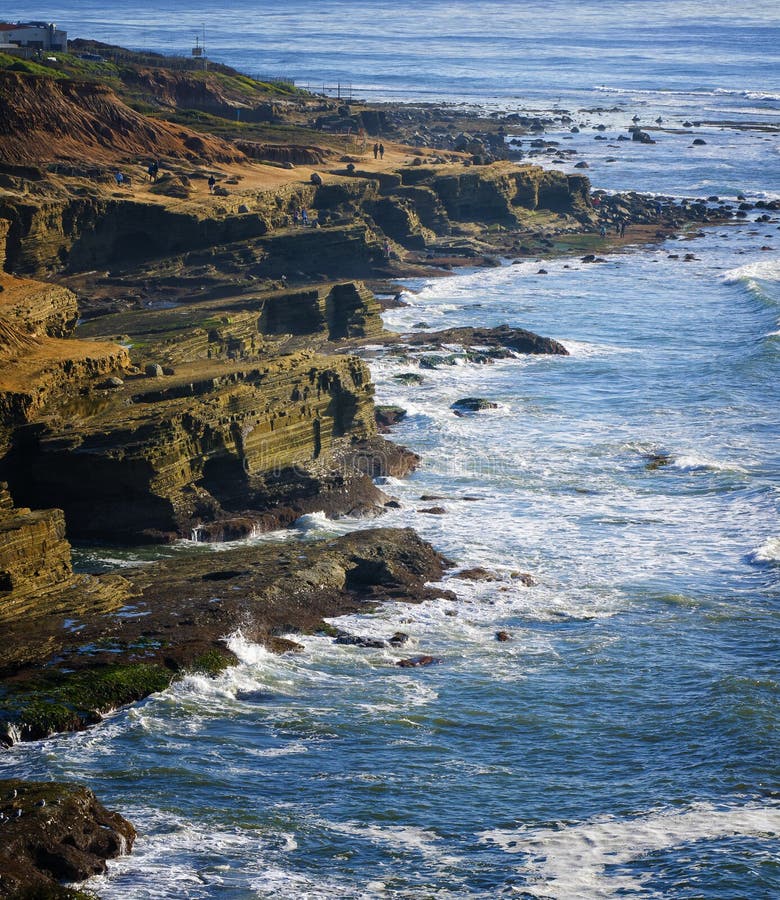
{"points": [[28, 67], [212, 662], [63, 701]]}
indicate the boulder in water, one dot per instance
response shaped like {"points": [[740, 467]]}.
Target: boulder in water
{"points": [[417, 661], [472, 404]]}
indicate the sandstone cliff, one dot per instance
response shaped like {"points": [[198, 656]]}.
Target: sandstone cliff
{"points": [[46, 119]]}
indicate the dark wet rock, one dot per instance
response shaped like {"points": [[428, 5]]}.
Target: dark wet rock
{"points": [[387, 416], [699, 142], [657, 460], [504, 336], [392, 504], [541, 272], [52, 833], [472, 404], [417, 661], [399, 639], [225, 575], [433, 362], [434, 511], [409, 378], [354, 640], [641, 137], [524, 578], [503, 636], [477, 573]]}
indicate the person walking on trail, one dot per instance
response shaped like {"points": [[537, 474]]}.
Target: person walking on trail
{"points": [[376, 150], [212, 183], [381, 151], [305, 216], [603, 230]]}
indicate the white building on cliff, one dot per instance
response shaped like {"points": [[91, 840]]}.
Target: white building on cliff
{"points": [[32, 36]]}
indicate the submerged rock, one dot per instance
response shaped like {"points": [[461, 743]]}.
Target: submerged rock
{"points": [[409, 378], [354, 640], [476, 574], [416, 661], [472, 404]]}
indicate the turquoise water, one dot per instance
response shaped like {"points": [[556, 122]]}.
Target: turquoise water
{"points": [[625, 741]]}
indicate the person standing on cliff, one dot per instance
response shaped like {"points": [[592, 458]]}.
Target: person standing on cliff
{"points": [[376, 150], [381, 151], [212, 183]]}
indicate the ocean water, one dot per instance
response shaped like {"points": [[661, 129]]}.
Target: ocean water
{"points": [[624, 743]]}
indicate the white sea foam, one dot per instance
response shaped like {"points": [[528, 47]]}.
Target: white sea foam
{"points": [[586, 350], [768, 552], [697, 462], [247, 651], [767, 269], [571, 861]]}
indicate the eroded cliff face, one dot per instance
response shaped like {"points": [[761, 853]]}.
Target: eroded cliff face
{"points": [[45, 119], [36, 364], [53, 232], [190, 449], [219, 426], [34, 554], [51, 235], [499, 192]]}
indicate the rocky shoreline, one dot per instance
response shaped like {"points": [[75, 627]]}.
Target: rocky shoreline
{"points": [[177, 362]]}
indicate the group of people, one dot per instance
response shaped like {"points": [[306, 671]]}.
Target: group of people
{"points": [[379, 151], [301, 217], [620, 228]]}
